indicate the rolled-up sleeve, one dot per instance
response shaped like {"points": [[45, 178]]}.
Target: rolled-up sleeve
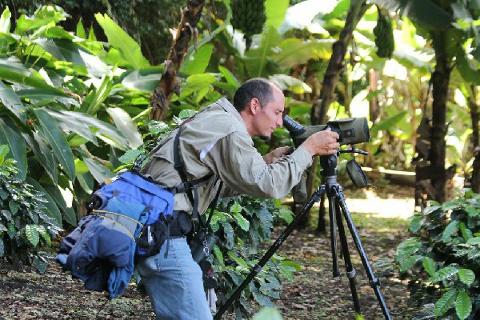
{"points": [[243, 170]]}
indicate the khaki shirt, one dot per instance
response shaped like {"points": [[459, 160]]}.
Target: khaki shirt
{"points": [[216, 141]]}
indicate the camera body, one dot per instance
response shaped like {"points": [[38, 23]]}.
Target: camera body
{"points": [[350, 130]]}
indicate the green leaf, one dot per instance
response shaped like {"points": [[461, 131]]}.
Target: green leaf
{"points": [[450, 230], [416, 223], [12, 70], [295, 51], [466, 232], [44, 234], [32, 234], [407, 248], [5, 21], [286, 82], [70, 124], [145, 80], [119, 39], [10, 135], [80, 30], [125, 125], [474, 241], [256, 59], [103, 130], [50, 206], [4, 150], [198, 61], [444, 273], [68, 213], [429, 265], [285, 214], [12, 102], [241, 221], [275, 11], [466, 276], [463, 305], [40, 264], [408, 262], [446, 302], [96, 96], [229, 77], [239, 260], [388, 123], [101, 173], [55, 137], [218, 255], [43, 154], [268, 313]]}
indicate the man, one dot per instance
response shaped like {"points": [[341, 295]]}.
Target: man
{"points": [[218, 142]]}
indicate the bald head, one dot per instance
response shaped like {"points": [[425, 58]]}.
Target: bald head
{"points": [[259, 88]]}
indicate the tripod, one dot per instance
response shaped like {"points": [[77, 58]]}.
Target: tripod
{"points": [[337, 209]]}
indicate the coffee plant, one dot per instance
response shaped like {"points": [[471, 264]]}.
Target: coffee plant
{"points": [[442, 259], [25, 226]]}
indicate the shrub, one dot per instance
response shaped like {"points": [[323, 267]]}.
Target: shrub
{"points": [[24, 223], [443, 258]]}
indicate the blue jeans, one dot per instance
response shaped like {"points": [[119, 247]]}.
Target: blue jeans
{"points": [[174, 283]]}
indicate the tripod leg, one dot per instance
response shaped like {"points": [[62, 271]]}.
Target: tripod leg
{"points": [[351, 272], [270, 252], [374, 282], [333, 235]]}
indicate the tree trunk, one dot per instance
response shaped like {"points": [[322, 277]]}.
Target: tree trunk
{"points": [[440, 81], [335, 65], [330, 79], [168, 83], [472, 102]]}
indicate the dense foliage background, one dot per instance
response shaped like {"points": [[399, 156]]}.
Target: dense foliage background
{"points": [[76, 79]]}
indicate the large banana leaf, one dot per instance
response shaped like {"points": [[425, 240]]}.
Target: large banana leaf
{"points": [[295, 51], [72, 124], [129, 50], [50, 129], [256, 60], [427, 13], [10, 136], [275, 11], [97, 96]]}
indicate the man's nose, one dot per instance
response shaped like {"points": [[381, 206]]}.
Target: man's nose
{"points": [[280, 122]]}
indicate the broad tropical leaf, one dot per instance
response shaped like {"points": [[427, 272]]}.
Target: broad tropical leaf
{"points": [[55, 137], [119, 39], [125, 125], [10, 136]]}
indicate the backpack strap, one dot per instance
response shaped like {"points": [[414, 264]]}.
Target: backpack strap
{"points": [[190, 187]]}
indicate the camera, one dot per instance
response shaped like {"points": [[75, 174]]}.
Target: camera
{"points": [[350, 130]]}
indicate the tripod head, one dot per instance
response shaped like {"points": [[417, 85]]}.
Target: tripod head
{"points": [[351, 131]]}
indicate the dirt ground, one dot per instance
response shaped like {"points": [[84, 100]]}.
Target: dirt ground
{"points": [[314, 293]]}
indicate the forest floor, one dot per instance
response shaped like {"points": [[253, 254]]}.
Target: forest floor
{"points": [[379, 215]]}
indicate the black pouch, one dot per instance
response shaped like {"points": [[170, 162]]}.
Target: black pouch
{"points": [[201, 245]]}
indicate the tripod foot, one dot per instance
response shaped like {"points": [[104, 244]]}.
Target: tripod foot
{"points": [[352, 274]]}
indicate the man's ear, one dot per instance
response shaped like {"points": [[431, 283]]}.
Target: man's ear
{"points": [[254, 106]]}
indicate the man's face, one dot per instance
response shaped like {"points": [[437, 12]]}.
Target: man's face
{"points": [[269, 117]]}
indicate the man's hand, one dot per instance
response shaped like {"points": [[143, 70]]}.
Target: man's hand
{"points": [[322, 143], [276, 154]]}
